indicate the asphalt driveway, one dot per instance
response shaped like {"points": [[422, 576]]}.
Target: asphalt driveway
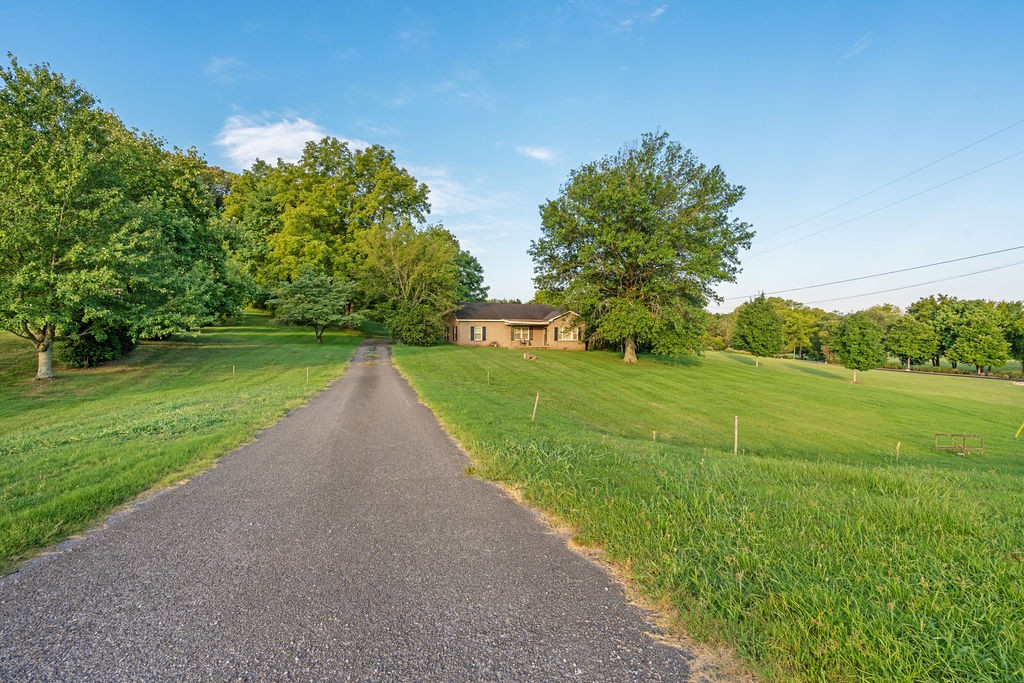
{"points": [[345, 543]]}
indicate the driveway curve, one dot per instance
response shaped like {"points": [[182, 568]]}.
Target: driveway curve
{"points": [[344, 543]]}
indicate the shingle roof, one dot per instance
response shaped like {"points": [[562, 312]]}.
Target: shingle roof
{"points": [[541, 313]]}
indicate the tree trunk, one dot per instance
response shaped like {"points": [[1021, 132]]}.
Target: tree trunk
{"points": [[757, 362], [854, 376], [908, 363], [630, 355], [319, 331], [44, 353]]}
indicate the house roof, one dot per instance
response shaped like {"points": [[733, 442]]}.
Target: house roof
{"points": [[527, 313]]}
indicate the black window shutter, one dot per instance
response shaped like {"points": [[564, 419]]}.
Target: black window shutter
{"points": [[483, 331], [556, 332]]}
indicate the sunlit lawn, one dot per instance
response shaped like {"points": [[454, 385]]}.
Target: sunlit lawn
{"points": [[837, 545], [75, 448]]}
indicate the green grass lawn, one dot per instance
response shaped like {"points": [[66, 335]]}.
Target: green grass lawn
{"points": [[73, 449], [838, 545]]}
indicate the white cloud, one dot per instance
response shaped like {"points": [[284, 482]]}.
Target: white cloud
{"points": [[223, 70], [245, 139], [539, 153], [862, 44], [451, 197], [659, 11]]}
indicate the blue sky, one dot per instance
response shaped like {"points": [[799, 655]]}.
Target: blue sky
{"points": [[806, 104]]}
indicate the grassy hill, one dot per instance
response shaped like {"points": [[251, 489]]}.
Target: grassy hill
{"points": [[74, 449], [838, 545]]}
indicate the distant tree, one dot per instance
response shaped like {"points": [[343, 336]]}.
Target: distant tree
{"points": [[1012, 322], [883, 315], [799, 325], [721, 330], [634, 243], [315, 300], [471, 278], [858, 343], [911, 340], [506, 301], [412, 277], [823, 345], [980, 341], [927, 309], [758, 329]]}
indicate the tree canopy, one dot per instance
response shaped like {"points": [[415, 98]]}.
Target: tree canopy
{"points": [[308, 213], [635, 242], [411, 276], [99, 226], [315, 300], [858, 343], [758, 328], [471, 278]]}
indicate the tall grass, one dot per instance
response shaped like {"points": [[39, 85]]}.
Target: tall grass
{"points": [[837, 545], [73, 449]]}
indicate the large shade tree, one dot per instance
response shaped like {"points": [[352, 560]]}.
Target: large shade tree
{"points": [[636, 241], [307, 214], [100, 227]]}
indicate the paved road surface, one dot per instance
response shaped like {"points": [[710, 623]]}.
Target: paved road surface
{"points": [[346, 543]]}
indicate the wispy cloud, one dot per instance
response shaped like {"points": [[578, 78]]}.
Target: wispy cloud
{"points": [[450, 196], [223, 70], [863, 43], [629, 23], [245, 138], [539, 153], [377, 128]]}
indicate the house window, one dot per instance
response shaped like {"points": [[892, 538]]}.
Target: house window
{"points": [[478, 333], [521, 334], [568, 334]]}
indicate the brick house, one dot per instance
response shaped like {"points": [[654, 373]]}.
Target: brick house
{"points": [[514, 326]]}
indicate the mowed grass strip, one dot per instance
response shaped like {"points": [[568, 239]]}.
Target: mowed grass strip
{"points": [[838, 545], [73, 449]]}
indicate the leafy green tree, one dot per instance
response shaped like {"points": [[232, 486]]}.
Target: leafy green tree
{"points": [[315, 300], [721, 330], [799, 325], [980, 341], [103, 232], [758, 328], [911, 340], [471, 278], [634, 243], [1012, 322], [858, 343], [411, 276], [101, 229], [308, 213], [883, 315], [823, 345]]}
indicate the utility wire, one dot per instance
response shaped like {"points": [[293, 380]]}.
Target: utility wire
{"points": [[892, 182], [886, 206], [919, 284], [868, 277]]}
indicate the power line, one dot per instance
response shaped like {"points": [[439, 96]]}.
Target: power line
{"points": [[868, 277], [886, 206], [894, 181], [919, 284]]}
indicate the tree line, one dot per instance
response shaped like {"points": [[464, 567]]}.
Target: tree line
{"points": [[975, 333], [108, 237]]}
